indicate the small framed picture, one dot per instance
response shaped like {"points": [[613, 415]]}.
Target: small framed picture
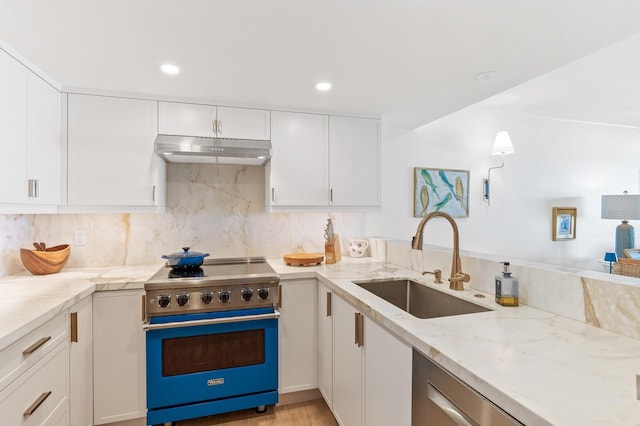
{"points": [[564, 223], [633, 254]]}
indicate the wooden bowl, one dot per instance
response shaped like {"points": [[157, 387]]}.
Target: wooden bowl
{"points": [[45, 262]]}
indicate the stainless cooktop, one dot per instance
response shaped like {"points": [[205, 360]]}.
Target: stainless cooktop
{"points": [[215, 271]]}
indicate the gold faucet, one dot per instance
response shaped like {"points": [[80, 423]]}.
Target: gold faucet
{"points": [[457, 276]]}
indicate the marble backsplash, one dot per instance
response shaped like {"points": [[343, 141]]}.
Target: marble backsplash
{"points": [[608, 301], [215, 209]]}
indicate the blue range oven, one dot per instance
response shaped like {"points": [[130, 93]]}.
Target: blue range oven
{"points": [[213, 353]]}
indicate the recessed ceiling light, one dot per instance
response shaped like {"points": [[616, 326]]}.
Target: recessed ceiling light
{"points": [[323, 86], [169, 69], [488, 75]]}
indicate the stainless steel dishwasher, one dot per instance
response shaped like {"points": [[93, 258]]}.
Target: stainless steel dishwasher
{"points": [[441, 399]]}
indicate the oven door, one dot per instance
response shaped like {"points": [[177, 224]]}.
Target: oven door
{"points": [[208, 356]]}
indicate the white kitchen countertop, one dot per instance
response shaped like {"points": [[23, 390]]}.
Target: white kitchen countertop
{"points": [[29, 301], [540, 367]]}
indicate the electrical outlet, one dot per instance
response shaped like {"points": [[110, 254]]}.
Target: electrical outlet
{"points": [[80, 238]]}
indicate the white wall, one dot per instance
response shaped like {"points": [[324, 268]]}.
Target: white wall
{"points": [[557, 163]]}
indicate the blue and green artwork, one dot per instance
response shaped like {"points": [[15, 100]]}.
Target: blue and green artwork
{"points": [[441, 190]]}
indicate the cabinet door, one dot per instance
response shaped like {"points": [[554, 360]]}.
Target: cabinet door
{"points": [[186, 119], [387, 378], [325, 344], [43, 140], [347, 366], [111, 158], [354, 146], [81, 363], [298, 172], [244, 123], [119, 362], [13, 131], [298, 339]]}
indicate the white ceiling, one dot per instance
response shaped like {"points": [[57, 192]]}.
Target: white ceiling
{"points": [[408, 61], [602, 87]]}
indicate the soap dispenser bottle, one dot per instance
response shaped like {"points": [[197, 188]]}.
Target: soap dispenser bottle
{"points": [[506, 287]]}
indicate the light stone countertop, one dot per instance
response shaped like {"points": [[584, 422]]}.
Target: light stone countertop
{"points": [[28, 301], [541, 368], [538, 366]]}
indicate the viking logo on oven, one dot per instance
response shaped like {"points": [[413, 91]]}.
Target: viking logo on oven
{"points": [[214, 382]]}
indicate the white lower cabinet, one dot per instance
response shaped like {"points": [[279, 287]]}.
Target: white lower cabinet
{"points": [[371, 380], [298, 339], [39, 396], [325, 344], [81, 363], [119, 375], [387, 377], [347, 365]]}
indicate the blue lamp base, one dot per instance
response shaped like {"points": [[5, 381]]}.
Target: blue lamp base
{"points": [[625, 238]]}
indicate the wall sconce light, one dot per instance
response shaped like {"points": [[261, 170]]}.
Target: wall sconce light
{"points": [[622, 207], [612, 258], [501, 146]]}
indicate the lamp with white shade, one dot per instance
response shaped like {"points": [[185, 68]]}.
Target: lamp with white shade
{"points": [[622, 207], [501, 146]]}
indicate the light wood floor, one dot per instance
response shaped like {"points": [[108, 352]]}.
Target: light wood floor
{"points": [[314, 413]]}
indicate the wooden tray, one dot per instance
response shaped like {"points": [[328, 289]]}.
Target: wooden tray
{"points": [[303, 259]]}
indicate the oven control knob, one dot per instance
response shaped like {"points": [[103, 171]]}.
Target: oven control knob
{"points": [[247, 294], [263, 293], [224, 296], [164, 300], [206, 297], [182, 299]]}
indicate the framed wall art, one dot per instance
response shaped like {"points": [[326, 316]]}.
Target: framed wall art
{"points": [[444, 190], [564, 223], [633, 254]]}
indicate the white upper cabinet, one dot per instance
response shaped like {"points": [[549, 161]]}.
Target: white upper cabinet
{"points": [[213, 121], [43, 141], [186, 119], [298, 174], [244, 123], [111, 158], [354, 159], [13, 131], [321, 161], [29, 140]]}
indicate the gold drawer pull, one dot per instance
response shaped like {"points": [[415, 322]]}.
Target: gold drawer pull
{"points": [[74, 327], [31, 349], [38, 402]]}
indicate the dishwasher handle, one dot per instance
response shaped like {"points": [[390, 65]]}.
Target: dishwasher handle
{"points": [[447, 407]]}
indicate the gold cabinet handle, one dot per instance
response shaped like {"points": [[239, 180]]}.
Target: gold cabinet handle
{"points": [[359, 328], [74, 327], [31, 349], [328, 303], [144, 308], [37, 403]]}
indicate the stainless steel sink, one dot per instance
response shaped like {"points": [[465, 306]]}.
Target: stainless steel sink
{"points": [[418, 299]]}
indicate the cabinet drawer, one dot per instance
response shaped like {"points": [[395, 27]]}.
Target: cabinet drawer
{"points": [[39, 396], [24, 353]]}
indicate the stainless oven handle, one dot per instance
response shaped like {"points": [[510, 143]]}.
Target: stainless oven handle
{"points": [[195, 323]]}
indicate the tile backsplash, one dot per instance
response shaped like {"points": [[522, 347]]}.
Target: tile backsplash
{"points": [[215, 209]]}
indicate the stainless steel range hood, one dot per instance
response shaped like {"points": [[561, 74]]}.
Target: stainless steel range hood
{"points": [[189, 149]]}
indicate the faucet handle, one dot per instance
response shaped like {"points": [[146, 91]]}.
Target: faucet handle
{"points": [[456, 282], [438, 275]]}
